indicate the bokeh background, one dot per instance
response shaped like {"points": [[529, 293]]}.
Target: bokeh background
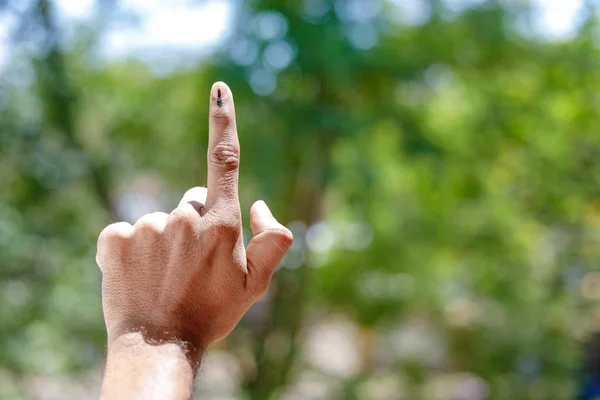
{"points": [[437, 160]]}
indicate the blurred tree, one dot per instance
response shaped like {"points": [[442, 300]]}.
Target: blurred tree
{"points": [[440, 175]]}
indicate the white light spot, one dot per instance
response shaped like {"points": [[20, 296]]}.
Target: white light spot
{"points": [[471, 387], [298, 229], [145, 197], [363, 10], [294, 259], [7, 24], [315, 9], [270, 25], [221, 373], [279, 54], [244, 51], [76, 9], [413, 340], [358, 236], [357, 10], [557, 19], [295, 256], [461, 312], [590, 286], [333, 348], [320, 237], [263, 82], [189, 26], [456, 6], [413, 12], [362, 36], [173, 26]]}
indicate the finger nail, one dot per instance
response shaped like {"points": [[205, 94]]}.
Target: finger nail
{"points": [[219, 92]]}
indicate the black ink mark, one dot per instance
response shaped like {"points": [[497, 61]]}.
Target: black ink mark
{"points": [[219, 100]]}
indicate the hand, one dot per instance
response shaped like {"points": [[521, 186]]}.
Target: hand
{"points": [[186, 277]]}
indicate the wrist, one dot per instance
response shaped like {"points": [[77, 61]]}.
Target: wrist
{"points": [[134, 336], [150, 370]]}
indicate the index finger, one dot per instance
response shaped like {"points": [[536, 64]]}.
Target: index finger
{"points": [[223, 147]]}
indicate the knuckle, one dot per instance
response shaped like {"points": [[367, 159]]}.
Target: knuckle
{"points": [[222, 117], [151, 223], [112, 241], [285, 238], [280, 239], [183, 218], [226, 156], [120, 231]]}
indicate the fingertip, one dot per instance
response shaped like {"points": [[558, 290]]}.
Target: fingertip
{"points": [[221, 122], [260, 208], [261, 218], [220, 92]]}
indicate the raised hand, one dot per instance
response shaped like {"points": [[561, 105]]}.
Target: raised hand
{"points": [[185, 278]]}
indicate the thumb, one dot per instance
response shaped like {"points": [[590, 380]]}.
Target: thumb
{"points": [[269, 243]]}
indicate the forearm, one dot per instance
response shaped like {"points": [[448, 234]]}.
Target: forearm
{"points": [[142, 370]]}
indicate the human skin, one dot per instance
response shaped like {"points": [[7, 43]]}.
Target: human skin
{"points": [[172, 284]]}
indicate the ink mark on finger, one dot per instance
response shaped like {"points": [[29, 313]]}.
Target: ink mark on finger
{"points": [[219, 99]]}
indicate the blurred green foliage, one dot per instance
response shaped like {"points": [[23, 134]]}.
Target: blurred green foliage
{"points": [[447, 172]]}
